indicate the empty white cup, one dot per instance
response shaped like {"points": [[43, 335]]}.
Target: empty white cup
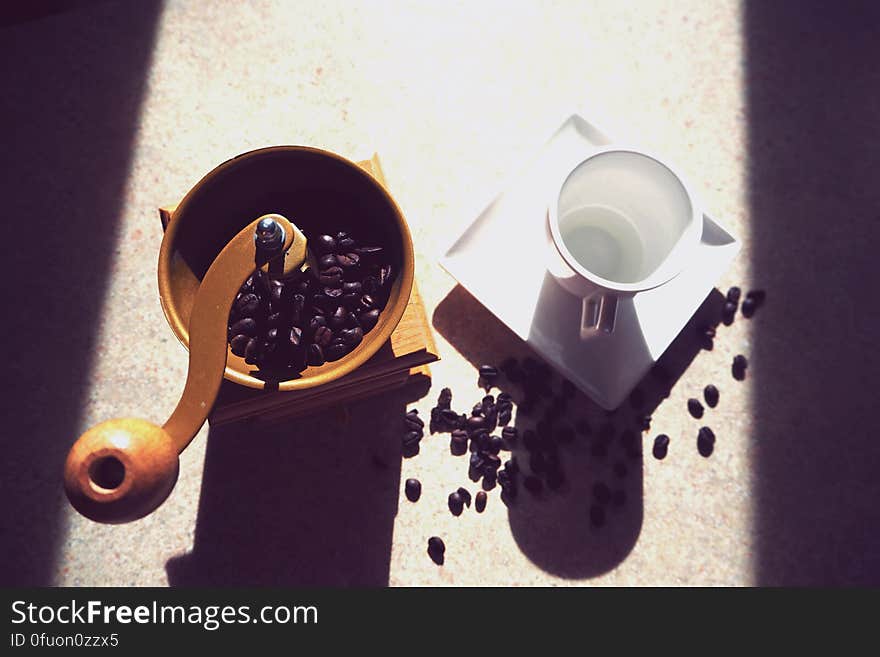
{"points": [[622, 221]]}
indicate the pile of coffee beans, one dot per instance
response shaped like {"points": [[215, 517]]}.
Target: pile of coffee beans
{"points": [[284, 325], [546, 410]]}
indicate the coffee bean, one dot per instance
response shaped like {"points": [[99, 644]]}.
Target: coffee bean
{"points": [[323, 336], [348, 260], [366, 302], [410, 437], [276, 291], [512, 465], [330, 276], [476, 461], [661, 445], [758, 296], [475, 422], [601, 493], [597, 515], [272, 334], [749, 306], [710, 394], [251, 351], [707, 340], [368, 250], [456, 504], [338, 318], [510, 434], [238, 344], [246, 326], [323, 244], [315, 355], [413, 489], [345, 243], [352, 337], [368, 320], [247, 305], [370, 285], [695, 408], [533, 485], [458, 443], [465, 495], [495, 444], [352, 287], [413, 422], [480, 502], [436, 550], [385, 272], [733, 294], [449, 416], [738, 368], [295, 336], [705, 441], [316, 322], [335, 351], [327, 261], [537, 462], [728, 313], [488, 372], [333, 292]]}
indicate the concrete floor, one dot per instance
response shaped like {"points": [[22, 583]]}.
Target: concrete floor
{"points": [[112, 109]]}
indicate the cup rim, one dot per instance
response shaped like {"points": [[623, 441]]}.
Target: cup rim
{"points": [[687, 242]]}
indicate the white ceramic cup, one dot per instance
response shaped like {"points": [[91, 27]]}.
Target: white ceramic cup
{"points": [[621, 222]]}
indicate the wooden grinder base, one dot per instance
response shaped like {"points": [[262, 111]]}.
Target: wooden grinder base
{"points": [[401, 360]]}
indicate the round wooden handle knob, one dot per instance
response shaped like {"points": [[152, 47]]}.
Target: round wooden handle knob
{"points": [[120, 470]]}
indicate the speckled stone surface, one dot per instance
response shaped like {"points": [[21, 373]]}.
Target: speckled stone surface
{"points": [[113, 111]]}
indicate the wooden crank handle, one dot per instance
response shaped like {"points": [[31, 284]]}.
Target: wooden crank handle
{"points": [[122, 469]]}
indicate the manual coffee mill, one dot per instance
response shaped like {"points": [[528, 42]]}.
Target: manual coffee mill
{"points": [[123, 469]]}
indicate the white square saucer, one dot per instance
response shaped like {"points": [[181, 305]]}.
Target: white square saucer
{"points": [[511, 234]]}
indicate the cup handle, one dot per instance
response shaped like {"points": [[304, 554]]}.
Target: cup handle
{"points": [[599, 314]]}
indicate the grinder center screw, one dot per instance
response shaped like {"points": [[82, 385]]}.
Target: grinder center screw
{"points": [[269, 235]]}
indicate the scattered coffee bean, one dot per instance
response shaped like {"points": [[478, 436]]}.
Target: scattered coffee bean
{"points": [[733, 294], [436, 550], [728, 313], [533, 484], [695, 408], [480, 502], [465, 495], [413, 489], [710, 394], [738, 368], [705, 441], [496, 444], [758, 296], [601, 493], [411, 437], [445, 398], [456, 504], [597, 515], [645, 423], [555, 479], [749, 306], [661, 445]]}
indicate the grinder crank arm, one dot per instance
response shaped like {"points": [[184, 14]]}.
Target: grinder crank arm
{"points": [[122, 469]]}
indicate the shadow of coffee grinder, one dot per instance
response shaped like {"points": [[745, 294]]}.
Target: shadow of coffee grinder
{"points": [[233, 222]]}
